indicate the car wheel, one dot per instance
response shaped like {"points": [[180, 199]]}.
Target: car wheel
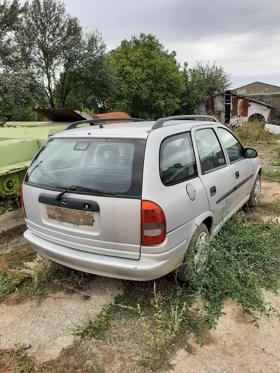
{"points": [[255, 193], [196, 257]]}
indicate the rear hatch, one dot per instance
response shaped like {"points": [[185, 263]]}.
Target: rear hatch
{"points": [[86, 194]]}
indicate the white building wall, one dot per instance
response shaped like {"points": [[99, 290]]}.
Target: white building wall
{"points": [[254, 108]]}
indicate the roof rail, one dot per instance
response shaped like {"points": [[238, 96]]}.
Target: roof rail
{"points": [[160, 122], [99, 121]]}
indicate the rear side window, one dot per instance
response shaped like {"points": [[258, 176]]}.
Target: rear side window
{"points": [[234, 148], [105, 165], [209, 149], [177, 161]]}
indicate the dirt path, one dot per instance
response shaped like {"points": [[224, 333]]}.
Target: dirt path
{"points": [[10, 220], [270, 191]]}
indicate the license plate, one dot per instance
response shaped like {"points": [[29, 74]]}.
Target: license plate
{"points": [[75, 217]]}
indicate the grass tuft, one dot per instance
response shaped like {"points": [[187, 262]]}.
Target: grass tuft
{"points": [[6, 285], [95, 328]]}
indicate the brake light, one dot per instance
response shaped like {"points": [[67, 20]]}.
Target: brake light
{"points": [[21, 202], [153, 224]]}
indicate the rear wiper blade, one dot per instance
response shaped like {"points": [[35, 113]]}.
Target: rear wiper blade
{"points": [[66, 190], [83, 189]]}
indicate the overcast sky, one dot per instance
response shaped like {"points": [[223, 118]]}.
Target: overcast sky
{"points": [[243, 36]]}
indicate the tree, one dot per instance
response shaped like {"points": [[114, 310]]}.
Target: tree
{"points": [[49, 37], [200, 82], [9, 15], [146, 78], [84, 81], [18, 90]]}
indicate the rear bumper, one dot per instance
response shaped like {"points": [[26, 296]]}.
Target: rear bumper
{"points": [[148, 267]]}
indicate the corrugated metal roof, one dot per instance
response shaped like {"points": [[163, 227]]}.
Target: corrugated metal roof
{"points": [[62, 114], [245, 97]]}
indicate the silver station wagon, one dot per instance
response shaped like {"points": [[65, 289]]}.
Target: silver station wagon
{"points": [[137, 200]]}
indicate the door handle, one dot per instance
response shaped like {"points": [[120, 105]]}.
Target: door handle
{"points": [[237, 174], [213, 191]]}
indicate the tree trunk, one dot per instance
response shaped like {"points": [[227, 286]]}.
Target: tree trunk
{"points": [[49, 89]]}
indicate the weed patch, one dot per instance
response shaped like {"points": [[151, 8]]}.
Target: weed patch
{"points": [[94, 328], [52, 276], [6, 285], [16, 360], [253, 133], [276, 162], [169, 315], [271, 175], [244, 259]]}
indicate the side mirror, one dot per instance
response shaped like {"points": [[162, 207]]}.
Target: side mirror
{"points": [[251, 153]]}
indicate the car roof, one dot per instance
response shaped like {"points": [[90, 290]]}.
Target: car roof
{"points": [[139, 130]]}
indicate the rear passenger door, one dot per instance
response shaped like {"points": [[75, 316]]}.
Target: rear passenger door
{"points": [[178, 171], [215, 173], [241, 167], [176, 188]]}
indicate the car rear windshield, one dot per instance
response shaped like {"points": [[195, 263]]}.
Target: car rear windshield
{"points": [[103, 165]]}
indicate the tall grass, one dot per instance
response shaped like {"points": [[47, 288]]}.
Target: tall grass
{"points": [[252, 133]]}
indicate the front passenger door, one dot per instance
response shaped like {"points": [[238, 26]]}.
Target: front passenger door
{"points": [[241, 167], [215, 173]]}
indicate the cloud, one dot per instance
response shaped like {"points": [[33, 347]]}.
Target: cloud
{"points": [[243, 36]]}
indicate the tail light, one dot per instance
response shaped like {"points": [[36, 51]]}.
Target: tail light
{"points": [[21, 201], [153, 224]]}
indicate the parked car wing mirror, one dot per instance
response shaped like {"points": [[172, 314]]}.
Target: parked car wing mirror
{"points": [[251, 153]]}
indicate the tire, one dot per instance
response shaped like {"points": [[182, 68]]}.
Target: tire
{"points": [[193, 262], [255, 193]]}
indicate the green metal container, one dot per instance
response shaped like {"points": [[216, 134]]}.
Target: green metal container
{"points": [[19, 142]]}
